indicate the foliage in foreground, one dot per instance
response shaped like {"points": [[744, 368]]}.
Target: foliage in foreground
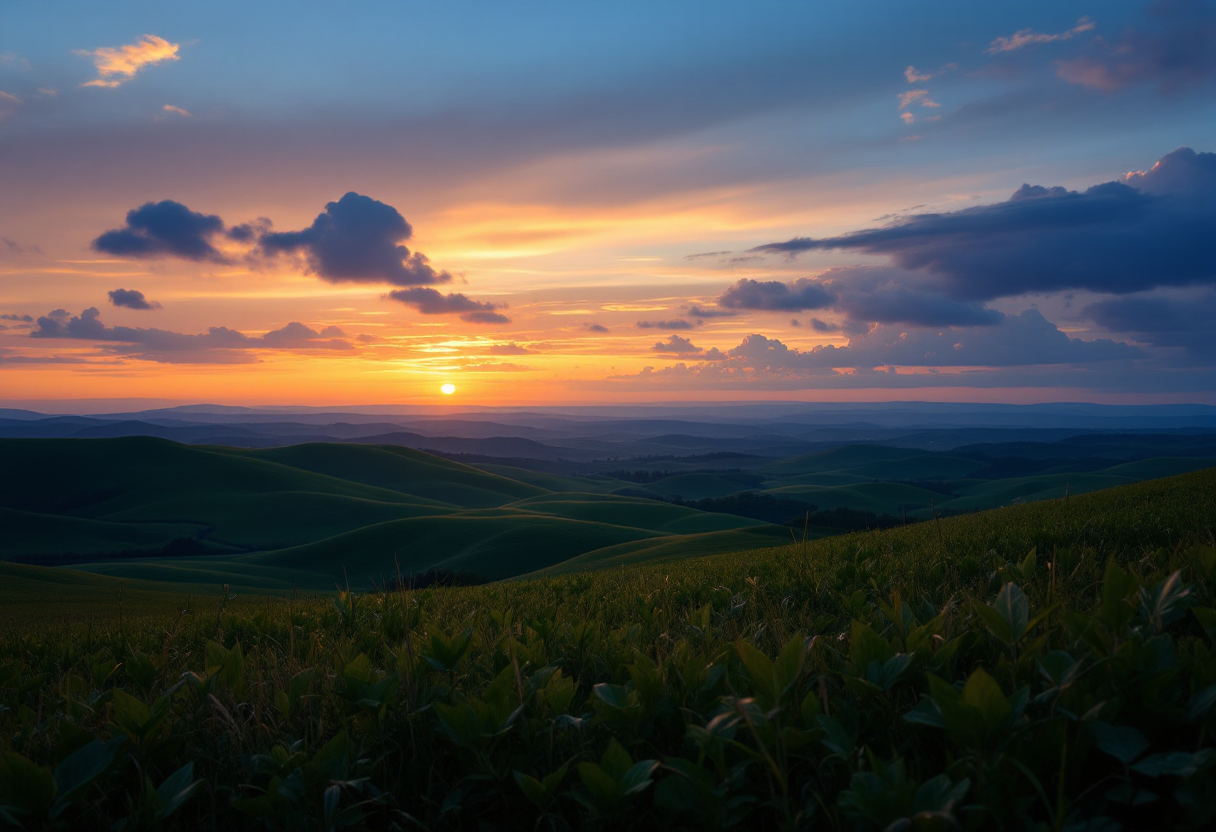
{"points": [[935, 677]]}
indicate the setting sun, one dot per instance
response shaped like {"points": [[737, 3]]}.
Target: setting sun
{"points": [[448, 389]]}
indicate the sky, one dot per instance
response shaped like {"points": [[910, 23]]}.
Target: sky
{"points": [[574, 203]]}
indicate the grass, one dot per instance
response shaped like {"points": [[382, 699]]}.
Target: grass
{"points": [[1043, 666]]}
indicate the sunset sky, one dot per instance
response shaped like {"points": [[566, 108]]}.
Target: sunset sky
{"points": [[543, 203]]}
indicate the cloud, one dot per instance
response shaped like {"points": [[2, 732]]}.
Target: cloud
{"points": [[678, 345], [1119, 237], [775, 296], [218, 345], [907, 99], [1020, 341], [591, 327], [8, 104], [1162, 321], [20, 318], [358, 239], [169, 108], [496, 367], [867, 294], [677, 324], [1029, 37], [431, 302], [117, 66], [696, 311], [1175, 48], [510, 349], [165, 229], [132, 299], [707, 255]]}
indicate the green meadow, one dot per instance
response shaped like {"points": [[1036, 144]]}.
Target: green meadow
{"points": [[1048, 666]]}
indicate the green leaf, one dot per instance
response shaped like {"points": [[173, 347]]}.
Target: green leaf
{"points": [[1014, 607], [1201, 702], [761, 671], [178, 787], [789, 663], [983, 693], [616, 760], [1122, 742], [637, 777], [1117, 585], [1164, 603], [867, 646], [602, 785], [81, 768], [26, 788], [533, 789], [1177, 763]]}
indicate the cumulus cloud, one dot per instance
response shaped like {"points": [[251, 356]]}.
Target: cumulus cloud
{"points": [[431, 302], [117, 66], [510, 349], [1019, 341], [592, 327], [823, 326], [891, 295], [696, 311], [1162, 321], [676, 344], [165, 229], [132, 299], [218, 345], [775, 296], [1029, 37], [676, 324], [1174, 48], [358, 239], [1154, 229]]}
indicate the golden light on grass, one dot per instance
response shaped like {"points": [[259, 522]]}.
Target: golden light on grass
{"points": [[448, 389]]}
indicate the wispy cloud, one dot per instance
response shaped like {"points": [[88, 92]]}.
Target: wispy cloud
{"points": [[8, 103], [117, 66], [169, 108], [1029, 37]]}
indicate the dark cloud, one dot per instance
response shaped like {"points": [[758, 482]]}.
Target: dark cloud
{"points": [[676, 344], [1161, 321], [165, 229], [590, 327], [707, 255], [218, 345], [894, 296], [1176, 48], [678, 324], [701, 312], [775, 296], [431, 302], [1024, 340], [795, 322], [20, 318], [824, 326], [358, 239], [132, 299], [510, 349], [1155, 229]]}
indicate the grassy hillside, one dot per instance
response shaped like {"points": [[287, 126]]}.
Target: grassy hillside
{"points": [[1042, 666]]}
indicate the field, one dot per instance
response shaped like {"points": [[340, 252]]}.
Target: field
{"points": [[315, 516], [1042, 666]]}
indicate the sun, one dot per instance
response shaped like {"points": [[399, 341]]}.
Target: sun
{"points": [[448, 389]]}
